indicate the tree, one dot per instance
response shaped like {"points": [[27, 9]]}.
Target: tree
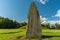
{"points": [[47, 25], [57, 26], [6, 23]]}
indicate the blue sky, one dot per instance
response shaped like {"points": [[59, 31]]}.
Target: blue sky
{"points": [[49, 10]]}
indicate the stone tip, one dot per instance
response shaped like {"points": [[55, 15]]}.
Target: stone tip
{"points": [[33, 3]]}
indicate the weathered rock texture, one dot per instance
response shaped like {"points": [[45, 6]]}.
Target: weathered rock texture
{"points": [[34, 26]]}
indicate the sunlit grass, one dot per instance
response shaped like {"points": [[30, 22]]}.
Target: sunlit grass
{"points": [[11, 34], [50, 32], [14, 34]]}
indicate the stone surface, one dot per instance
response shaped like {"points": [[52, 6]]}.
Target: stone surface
{"points": [[34, 24]]}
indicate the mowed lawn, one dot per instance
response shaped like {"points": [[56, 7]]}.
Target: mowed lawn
{"points": [[15, 34], [11, 34], [51, 34]]}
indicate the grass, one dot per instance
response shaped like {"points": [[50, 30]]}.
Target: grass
{"points": [[51, 32], [13, 34]]}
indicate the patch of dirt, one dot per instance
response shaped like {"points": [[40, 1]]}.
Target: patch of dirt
{"points": [[45, 39]]}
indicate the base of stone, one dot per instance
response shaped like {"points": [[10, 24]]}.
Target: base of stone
{"points": [[30, 39], [33, 38], [24, 38]]}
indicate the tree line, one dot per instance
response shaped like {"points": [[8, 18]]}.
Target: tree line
{"points": [[6, 23], [49, 26]]}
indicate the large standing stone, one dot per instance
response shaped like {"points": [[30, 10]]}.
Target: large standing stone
{"points": [[34, 26]]}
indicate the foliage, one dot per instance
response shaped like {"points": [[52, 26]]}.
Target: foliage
{"points": [[6, 23], [45, 26], [48, 26], [23, 24], [57, 26]]}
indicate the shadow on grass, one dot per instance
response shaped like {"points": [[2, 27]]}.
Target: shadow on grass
{"points": [[46, 37], [49, 36], [11, 32]]}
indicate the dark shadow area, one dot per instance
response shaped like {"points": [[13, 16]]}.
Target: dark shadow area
{"points": [[46, 36], [20, 37], [49, 36]]}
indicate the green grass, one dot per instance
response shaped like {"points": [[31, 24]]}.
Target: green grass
{"points": [[48, 32], [51, 34], [13, 34]]}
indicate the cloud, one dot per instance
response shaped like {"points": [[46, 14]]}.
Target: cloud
{"points": [[43, 1], [58, 13], [43, 19]]}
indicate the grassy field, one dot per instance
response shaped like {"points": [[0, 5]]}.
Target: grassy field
{"points": [[14, 34], [11, 34], [51, 34]]}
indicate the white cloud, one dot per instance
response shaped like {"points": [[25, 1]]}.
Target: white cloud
{"points": [[43, 1], [43, 22], [58, 13], [43, 19]]}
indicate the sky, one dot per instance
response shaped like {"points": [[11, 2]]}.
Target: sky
{"points": [[49, 10]]}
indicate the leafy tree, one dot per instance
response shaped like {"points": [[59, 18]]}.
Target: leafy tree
{"points": [[57, 26], [6, 23]]}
